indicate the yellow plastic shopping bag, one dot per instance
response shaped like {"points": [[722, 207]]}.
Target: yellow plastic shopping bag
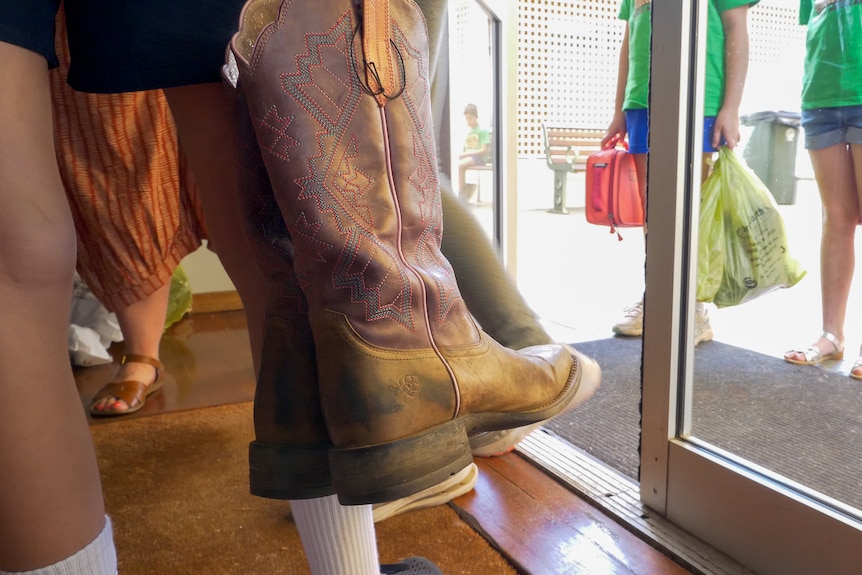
{"points": [[710, 241], [751, 249]]}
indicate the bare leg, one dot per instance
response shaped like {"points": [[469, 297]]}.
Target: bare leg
{"points": [[463, 165], [834, 172], [142, 324], [856, 155], [205, 123], [641, 169], [50, 492]]}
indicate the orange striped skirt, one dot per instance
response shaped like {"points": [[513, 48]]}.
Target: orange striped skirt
{"points": [[134, 202]]}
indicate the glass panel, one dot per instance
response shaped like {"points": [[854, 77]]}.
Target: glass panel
{"points": [[580, 278], [799, 424], [474, 93], [744, 512]]}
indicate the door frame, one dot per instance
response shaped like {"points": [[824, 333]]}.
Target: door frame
{"points": [[757, 518]]}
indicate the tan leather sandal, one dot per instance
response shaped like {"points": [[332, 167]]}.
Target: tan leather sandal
{"points": [[813, 355], [134, 393]]}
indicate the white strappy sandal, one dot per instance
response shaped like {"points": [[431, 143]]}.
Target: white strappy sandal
{"points": [[813, 355]]}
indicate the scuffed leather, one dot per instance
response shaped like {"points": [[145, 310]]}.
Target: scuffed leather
{"points": [[288, 458]]}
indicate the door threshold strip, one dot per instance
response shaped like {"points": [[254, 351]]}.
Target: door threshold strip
{"points": [[618, 496]]}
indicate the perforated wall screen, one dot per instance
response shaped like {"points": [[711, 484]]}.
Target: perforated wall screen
{"points": [[568, 54]]}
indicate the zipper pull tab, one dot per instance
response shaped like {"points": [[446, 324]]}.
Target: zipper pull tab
{"points": [[614, 228], [380, 68]]}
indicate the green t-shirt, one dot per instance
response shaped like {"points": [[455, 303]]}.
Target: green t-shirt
{"points": [[638, 14], [833, 53], [476, 138]]}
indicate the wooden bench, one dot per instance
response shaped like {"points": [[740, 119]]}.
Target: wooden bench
{"points": [[566, 152]]}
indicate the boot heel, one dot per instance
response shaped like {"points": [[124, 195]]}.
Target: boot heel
{"points": [[397, 469], [289, 471]]}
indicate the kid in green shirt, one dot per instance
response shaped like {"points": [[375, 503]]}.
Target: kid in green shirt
{"points": [[476, 152], [726, 68]]}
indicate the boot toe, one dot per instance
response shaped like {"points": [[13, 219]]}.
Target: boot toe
{"points": [[590, 376]]}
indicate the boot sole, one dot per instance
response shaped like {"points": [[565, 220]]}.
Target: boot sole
{"points": [[457, 485], [397, 469]]}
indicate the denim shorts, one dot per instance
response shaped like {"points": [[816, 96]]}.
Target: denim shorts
{"points": [[119, 46], [825, 127], [637, 125]]}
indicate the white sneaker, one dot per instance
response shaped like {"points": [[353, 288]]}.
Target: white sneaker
{"points": [[632, 324], [702, 329], [444, 492], [496, 443]]}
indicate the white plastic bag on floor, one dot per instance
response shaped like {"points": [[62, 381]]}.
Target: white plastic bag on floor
{"points": [[86, 347], [92, 328]]}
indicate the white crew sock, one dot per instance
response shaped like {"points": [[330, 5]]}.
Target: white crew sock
{"points": [[337, 539], [97, 558]]}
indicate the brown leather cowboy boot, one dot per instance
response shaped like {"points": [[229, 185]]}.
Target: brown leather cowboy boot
{"points": [[338, 94], [289, 458]]}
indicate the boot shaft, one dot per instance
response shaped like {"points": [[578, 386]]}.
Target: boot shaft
{"points": [[338, 94], [348, 142], [289, 457]]}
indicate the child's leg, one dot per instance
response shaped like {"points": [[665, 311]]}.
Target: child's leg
{"points": [[50, 493], [637, 124], [705, 166], [702, 327], [641, 169], [834, 173], [98, 557], [856, 156], [336, 539], [463, 165], [205, 121]]}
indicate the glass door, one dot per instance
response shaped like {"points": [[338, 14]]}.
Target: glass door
{"points": [[753, 455], [478, 156]]}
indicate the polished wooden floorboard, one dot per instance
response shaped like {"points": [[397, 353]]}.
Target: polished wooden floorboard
{"points": [[539, 525]]}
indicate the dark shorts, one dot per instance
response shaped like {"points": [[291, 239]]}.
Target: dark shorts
{"points": [[637, 125], [122, 46], [826, 127]]}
